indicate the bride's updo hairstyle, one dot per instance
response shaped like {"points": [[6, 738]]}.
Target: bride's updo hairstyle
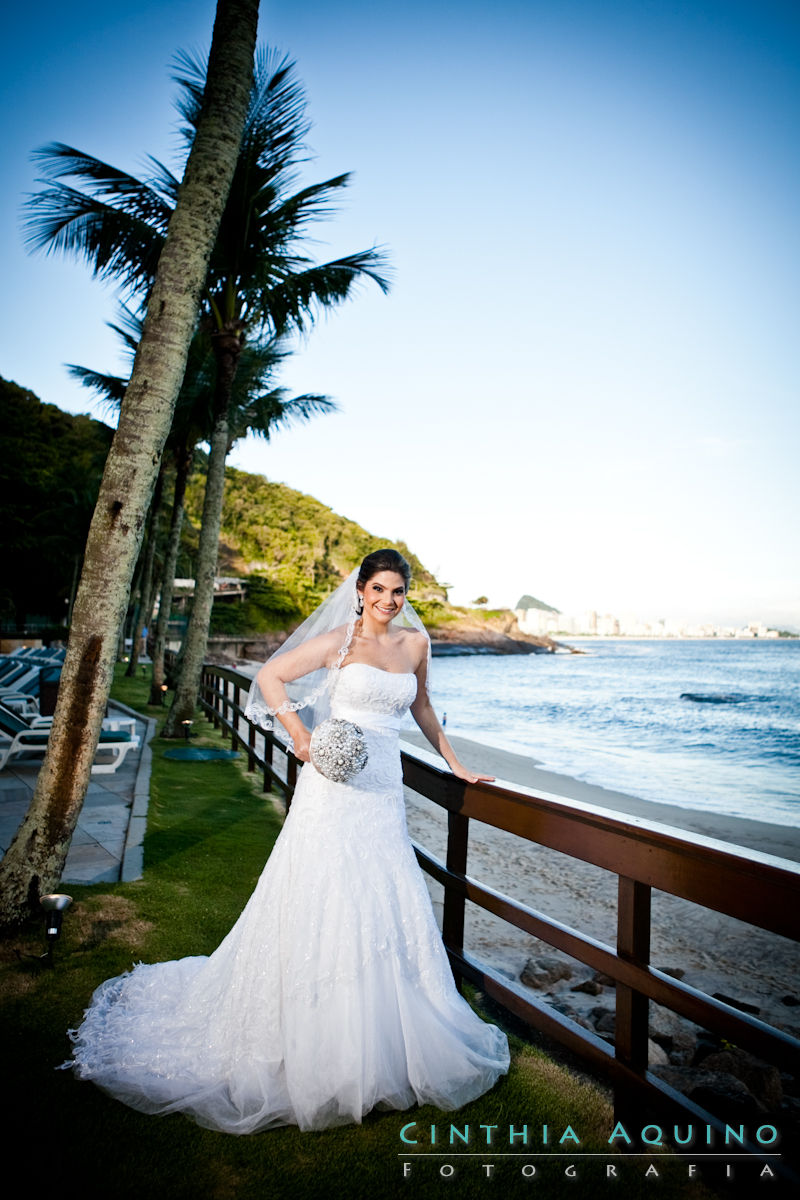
{"points": [[382, 560]]}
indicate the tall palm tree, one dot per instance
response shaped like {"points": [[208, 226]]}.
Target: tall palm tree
{"points": [[111, 390], [189, 426], [253, 405], [259, 285], [35, 859]]}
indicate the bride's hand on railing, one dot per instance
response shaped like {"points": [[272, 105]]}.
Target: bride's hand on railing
{"points": [[468, 776]]}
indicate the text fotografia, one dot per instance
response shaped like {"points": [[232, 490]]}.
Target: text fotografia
{"points": [[576, 1169], [469, 1146]]}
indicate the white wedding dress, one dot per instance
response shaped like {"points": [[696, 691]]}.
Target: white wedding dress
{"points": [[331, 995]]}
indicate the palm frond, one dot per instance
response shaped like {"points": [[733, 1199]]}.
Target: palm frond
{"points": [[303, 408], [260, 279], [163, 182], [190, 74], [59, 161], [271, 410], [111, 388], [291, 215], [276, 121], [297, 295], [129, 329], [116, 243]]}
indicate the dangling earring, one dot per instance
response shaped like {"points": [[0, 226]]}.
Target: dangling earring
{"points": [[360, 604]]}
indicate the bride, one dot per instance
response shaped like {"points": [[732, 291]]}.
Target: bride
{"points": [[332, 994]]}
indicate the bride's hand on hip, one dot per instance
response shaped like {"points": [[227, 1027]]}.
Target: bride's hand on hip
{"points": [[302, 743]]}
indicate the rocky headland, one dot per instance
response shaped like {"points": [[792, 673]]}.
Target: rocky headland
{"points": [[474, 631], [461, 632]]}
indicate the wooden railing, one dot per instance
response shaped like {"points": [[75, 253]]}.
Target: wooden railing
{"points": [[755, 888]]}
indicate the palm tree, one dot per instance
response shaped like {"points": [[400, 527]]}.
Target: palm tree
{"points": [[259, 284], [189, 426], [35, 859], [253, 406], [257, 406], [111, 389]]}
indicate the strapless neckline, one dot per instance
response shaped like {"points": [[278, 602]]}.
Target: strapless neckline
{"points": [[382, 670]]}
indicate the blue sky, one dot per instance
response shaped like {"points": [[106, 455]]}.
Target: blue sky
{"points": [[583, 384]]}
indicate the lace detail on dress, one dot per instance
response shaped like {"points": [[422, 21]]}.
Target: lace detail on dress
{"points": [[373, 691]]}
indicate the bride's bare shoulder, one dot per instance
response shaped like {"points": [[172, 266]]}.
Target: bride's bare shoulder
{"points": [[416, 637], [321, 650], [417, 644], [332, 641]]}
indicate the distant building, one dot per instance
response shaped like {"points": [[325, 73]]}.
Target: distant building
{"points": [[226, 587]]}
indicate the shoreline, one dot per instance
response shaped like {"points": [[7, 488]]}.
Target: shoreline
{"points": [[781, 841]]}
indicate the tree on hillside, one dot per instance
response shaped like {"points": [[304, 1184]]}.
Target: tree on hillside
{"points": [[35, 860], [259, 285], [253, 406]]}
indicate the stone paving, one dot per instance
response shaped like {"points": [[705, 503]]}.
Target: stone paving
{"points": [[107, 843]]}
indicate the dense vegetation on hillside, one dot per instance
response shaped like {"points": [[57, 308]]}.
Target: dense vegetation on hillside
{"points": [[293, 549], [50, 472]]}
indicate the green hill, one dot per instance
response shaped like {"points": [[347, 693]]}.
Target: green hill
{"points": [[271, 531], [292, 548], [527, 602], [50, 472]]}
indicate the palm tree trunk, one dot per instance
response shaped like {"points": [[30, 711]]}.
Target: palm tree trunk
{"points": [[147, 598], [132, 610], [73, 589], [184, 462], [35, 859], [227, 349]]}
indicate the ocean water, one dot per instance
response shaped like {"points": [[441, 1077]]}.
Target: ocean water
{"points": [[705, 724]]}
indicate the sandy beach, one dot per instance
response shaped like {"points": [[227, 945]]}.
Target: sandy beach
{"points": [[716, 953]]}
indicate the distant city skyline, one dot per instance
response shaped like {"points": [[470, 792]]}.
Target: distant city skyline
{"points": [[590, 623], [584, 381]]}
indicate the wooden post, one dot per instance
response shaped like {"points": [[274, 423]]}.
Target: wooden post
{"points": [[632, 1013], [454, 905], [251, 747], [216, 702], [234, 716], [268, 744]]}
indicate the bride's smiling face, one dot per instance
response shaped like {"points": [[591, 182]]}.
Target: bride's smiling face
{"points": [[384, 595]]}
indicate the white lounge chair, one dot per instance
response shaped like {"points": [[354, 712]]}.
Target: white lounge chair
{"points": [[21, 741]]}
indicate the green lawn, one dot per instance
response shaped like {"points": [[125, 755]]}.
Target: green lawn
{"points": [[210, 830]]}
